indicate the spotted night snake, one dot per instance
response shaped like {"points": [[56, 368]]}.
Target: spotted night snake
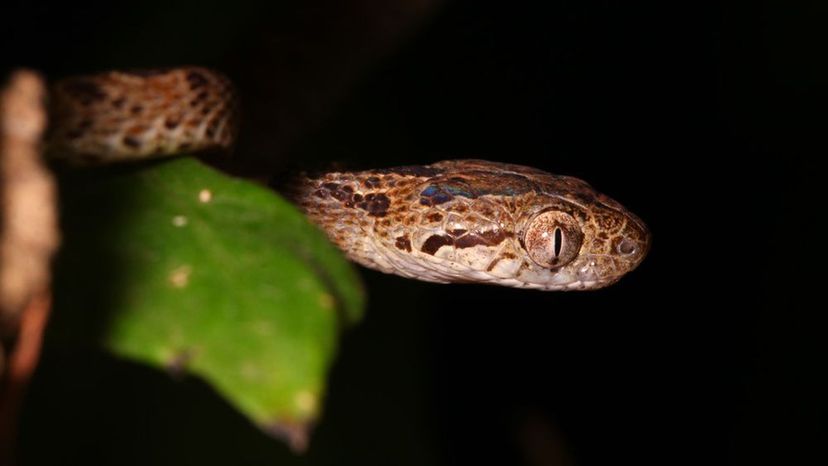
{"points": [[455, 221]]}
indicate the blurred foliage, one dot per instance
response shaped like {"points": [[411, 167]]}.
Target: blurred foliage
{"points": [[188, 270]]}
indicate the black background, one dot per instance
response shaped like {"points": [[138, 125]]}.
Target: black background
{"points": [[702, 118]]}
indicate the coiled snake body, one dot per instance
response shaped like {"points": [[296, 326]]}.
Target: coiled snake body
{"points": [[453, 221]]}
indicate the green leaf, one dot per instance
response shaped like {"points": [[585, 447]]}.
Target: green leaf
{"points": [[186, 269]]}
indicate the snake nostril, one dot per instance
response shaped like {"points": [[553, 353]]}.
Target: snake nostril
{"points": [[627, 247]]}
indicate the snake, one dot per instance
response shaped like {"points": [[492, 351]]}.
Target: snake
{"points": [[455, 221]]}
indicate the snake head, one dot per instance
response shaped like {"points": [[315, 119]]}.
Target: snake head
{"points": [[581, 239], [474, 221]]}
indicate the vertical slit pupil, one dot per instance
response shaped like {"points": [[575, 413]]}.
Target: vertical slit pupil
{"points": [[558, 241]]}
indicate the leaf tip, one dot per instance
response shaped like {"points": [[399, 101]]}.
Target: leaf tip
{"points": [[295, 434]]}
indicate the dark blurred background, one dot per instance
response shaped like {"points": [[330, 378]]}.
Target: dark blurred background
{"points": [[703, 118]]}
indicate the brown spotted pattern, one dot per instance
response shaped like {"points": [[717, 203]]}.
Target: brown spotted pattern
{"points": [[453, 221], [121, 115], [470, 220]]}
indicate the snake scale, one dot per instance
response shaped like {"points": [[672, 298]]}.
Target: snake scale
{"points": [[455, 221]]}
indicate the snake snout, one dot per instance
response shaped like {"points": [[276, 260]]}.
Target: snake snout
{"points": [[634, 243]]}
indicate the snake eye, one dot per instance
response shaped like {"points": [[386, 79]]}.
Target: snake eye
{"points": [[553, 239]]}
